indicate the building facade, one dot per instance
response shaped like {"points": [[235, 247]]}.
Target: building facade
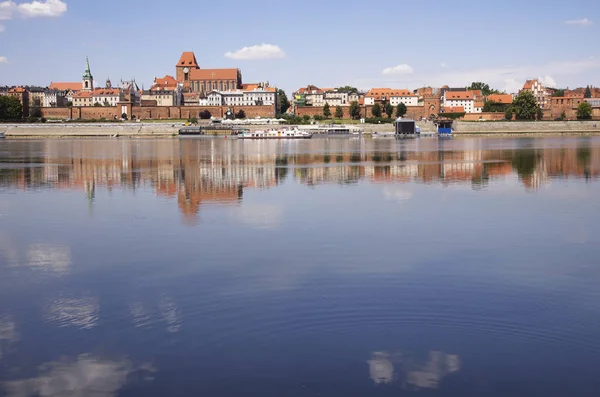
{"points": [[204, 81], [541, 93], [392, 96]]}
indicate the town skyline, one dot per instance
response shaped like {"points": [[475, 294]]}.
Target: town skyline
{"points": [[325, 46]]}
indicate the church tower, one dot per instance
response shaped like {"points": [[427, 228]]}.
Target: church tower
{"points": [[88, 79]]}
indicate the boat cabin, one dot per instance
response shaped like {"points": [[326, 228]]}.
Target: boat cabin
{"points": [[444, 127]]}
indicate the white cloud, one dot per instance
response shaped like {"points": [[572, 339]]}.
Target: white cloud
{"points": [[398, 69], [507, 78], [256, 52], [547, 81], [3, 60], [6, 9], [584, 23], [48, 8]]}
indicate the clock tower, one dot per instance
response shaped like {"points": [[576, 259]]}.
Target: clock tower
{"points": [[186, 64], [88, 79]]}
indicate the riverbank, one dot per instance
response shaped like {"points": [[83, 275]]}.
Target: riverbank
{"points": [[167, 129]]}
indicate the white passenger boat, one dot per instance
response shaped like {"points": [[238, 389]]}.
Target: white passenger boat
{"points": [[294, 133], [331, 130]]}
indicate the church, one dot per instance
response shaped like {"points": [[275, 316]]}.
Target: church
{"points": [[203, 81]]}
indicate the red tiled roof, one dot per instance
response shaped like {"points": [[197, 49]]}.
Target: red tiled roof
{"points": [[455, 109], [529, 84], [17, 90], [310, 89], [213, 74], [459, 95], [83, 94], [379, 93], [71, 86], [479, 104], [500, 98], [106, 91], [188, 59]]}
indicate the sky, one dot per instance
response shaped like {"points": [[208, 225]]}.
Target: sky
{"points": [[395, 44]]}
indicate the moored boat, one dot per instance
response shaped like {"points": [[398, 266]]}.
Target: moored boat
{"points": [[333, 130], [294, 133], [1, 134]]}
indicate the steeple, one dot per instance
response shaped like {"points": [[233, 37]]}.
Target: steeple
{"points": [[88, 79]]}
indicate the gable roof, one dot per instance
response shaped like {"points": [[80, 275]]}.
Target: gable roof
{"points": [[458, 95], [213, 74], [187, 59], [310, 89], [106, 92], [164, 83], [454, 109], [500, 98], [62, 86], [529, 84], [83, 94], [379, 93]]}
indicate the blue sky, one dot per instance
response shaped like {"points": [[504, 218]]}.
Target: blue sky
{"points": [[397, 44]]}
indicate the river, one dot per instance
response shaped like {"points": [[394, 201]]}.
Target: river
{"points": [[322, 267]]}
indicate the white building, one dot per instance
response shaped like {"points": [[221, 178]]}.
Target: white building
{"points": [[393, 96], [54, 98], [107, 96], [542, 94], [464, 99], [258, 96]]}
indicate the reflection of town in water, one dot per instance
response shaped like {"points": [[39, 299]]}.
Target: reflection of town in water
{"points": [[197, 172]]}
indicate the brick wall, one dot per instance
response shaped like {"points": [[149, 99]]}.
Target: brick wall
{"points": [[482, 116], [152, 112]]}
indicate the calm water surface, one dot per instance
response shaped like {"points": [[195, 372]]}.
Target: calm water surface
{"points": [[339, 267]]}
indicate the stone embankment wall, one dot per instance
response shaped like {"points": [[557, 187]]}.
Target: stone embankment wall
{"points": [[508, 127], [170, 129]]}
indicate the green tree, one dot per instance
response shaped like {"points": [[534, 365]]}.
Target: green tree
{"points": [[524, 106], [70, 104], [508, 114], [495, 107], [339, 112], [400, 110], [389, 109], [484, 87], [205, 115], [10, 108], [584, 111], [97, 104], [558, 92], [588, 92], [354, 110], [326, 111], [376, 110], [240, 114], [347, 88], [193, 120], [106, 103], [539, 113], [284, 103]]}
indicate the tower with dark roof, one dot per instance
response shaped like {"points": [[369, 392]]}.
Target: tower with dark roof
{"points": [[88, 79]]}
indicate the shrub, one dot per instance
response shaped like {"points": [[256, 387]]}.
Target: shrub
{"points": [[205, 115], [240, 114], [318, 117], [193, 120], [124, 116]]}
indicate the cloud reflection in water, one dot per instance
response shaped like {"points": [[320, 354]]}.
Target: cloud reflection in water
{"points": [[85, 376], [427, 375], [80, 313]]}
